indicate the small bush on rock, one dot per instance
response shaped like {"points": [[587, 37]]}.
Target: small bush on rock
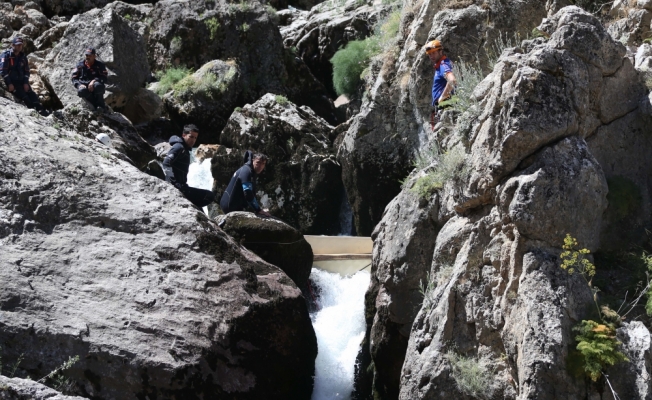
{"points": [[599, 347], [208, 85], [282, 100], [472, 375], [451, 166], [169, 78], [213, 25]]}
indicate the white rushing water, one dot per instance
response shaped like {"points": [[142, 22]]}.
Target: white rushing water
{"points": [[340, 327], [199, 174]]}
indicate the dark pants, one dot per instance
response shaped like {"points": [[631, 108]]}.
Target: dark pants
{"points": [[199, 197], [96, 97], [29, 98]]}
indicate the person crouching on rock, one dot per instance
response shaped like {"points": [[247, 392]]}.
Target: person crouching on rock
{"points": [[241, 192], [89, 77], [15, 72], [177, 163]]}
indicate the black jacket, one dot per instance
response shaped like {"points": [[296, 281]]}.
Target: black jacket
{"points": [[14, 68], [177, 161], [83, 74], [241, 191]]}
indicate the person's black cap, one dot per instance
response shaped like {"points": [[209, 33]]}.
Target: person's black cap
{"points": [[89, 51], [17, 40]]}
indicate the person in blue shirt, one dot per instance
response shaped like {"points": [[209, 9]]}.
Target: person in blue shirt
{"points": [[241, 192], [15, 72], [443, 84]]}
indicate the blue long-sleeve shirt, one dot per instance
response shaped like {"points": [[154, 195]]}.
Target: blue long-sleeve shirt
{"points": [[439, 81]]}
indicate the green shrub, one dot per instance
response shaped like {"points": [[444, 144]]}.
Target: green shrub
{"points": [[598, 345], [244, 27], [473, 376], [170, 77], [128, 17], [209, 85], [282, 100], [426, 289], [350, 63], [451, 166], [213, 25], [271, 11]]}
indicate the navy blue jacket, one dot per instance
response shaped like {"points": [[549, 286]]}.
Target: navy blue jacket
{"points": [[84, 74], [177, 161], [15, 68], [242, 188]]}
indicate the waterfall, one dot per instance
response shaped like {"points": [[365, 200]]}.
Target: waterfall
{"points": [[199, 174], [340, 328], [346, 216]]}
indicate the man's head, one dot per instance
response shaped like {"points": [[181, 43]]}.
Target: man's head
{"points": [[17, 44], [435, 50], [259, 161], [89, 55], [190, 134]]}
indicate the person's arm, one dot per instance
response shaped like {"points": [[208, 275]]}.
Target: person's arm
{"points": [[26, 71], [451, 82], [103, 74], [248, 189], [76, 75], [168, 167], [4, 68]]}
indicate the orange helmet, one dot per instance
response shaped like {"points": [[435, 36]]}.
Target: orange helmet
{"points": [[433, 45]]}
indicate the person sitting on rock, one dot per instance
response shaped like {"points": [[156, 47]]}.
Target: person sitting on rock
{"points": [[241, 192], [15, 72], [89, 77], [177, 163]]}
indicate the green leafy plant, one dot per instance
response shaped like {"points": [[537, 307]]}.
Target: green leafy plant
{"points": [[472, 375], [170, 77], [426, 289], [244, 27], [351, 62], [451, 166], [208, 84], [271, 11], [213, 25], [281, 100], [128, 17], [598, 345], [56, 379]]}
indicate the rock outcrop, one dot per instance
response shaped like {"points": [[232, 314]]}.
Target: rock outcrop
{"points": [[301, 183], [119, 46], [547, 144], [104, 262], [318, 34], [191, 34], [394, 120], [25, 389], [274, 241]]}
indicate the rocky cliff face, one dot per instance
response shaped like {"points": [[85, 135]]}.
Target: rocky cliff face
{"points": [[547, 139], [109, 264]]}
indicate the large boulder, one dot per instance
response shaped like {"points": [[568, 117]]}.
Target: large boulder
{"points": [[26, 389], [550, 148], [274, 241], [302, 181], [394, 121], [191, 34], [109, 264], [118, 45], [319, 33], [207, 98]]}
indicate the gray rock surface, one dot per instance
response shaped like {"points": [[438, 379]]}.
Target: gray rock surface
{"points": [[118, 45], [102, 261], [317, 34], [274, 241], [636, 341], [394, 120], [301, 183], [191, 34], [26, 389], [550, 136]]}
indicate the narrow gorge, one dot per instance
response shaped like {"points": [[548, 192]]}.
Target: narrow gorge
{"points": [[495, 247]]}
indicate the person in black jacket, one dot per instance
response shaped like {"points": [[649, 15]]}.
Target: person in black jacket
{"points": [[241, 192], [177, 162], [15, 72], [89, 78]]}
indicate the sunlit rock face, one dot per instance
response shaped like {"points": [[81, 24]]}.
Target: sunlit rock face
{"points": [[102, 261]]}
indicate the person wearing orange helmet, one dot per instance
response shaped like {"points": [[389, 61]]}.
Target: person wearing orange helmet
{"points": [[444, 82]]}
